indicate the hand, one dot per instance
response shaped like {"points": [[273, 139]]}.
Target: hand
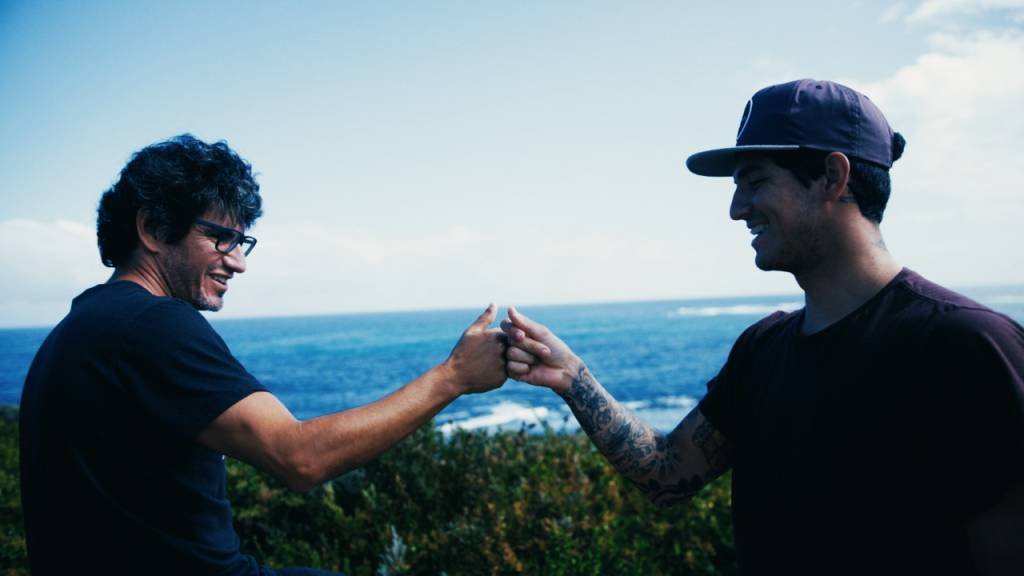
{"points": [[477, 363], [536, 356]]}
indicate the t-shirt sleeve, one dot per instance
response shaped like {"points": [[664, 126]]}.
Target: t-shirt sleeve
{"points": [[718, 405], [179, 371], [977, 360]]}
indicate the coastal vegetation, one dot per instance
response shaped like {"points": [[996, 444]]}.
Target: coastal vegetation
{"points": [[525, 502]]}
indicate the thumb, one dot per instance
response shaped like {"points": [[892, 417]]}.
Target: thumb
{"points": [[486, 318]]}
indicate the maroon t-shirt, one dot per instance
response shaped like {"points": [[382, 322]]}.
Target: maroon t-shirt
{"points": [[865, 448]]}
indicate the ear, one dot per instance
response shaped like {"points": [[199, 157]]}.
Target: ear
{"points": [[149, 238], [837, 176]]}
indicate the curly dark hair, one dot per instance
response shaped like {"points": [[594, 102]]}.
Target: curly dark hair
{"points": [[174, 182], [869, 182]]}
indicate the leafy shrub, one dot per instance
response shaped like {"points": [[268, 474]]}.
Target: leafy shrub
{"points": [[471, 503], [13, 558], [479, 503]]}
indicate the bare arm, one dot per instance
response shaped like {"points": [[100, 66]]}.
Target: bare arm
{"points": [[668, 468], [260, 430]]}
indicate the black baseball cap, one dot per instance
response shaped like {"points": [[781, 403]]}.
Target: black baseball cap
{"points": [[811, 114]]}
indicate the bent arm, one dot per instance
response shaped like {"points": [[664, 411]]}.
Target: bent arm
{"points": [[261, 431], [667, 467]]}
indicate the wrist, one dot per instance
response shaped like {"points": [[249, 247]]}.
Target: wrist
{"points": [[572, 371], [449, 380]]}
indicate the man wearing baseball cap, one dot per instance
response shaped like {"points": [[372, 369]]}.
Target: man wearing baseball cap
{"points": [[880, 428]]}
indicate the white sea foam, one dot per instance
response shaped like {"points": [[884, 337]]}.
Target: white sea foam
{"points": [[681, 401], [500, 416], [736, 310], [663, 413]]}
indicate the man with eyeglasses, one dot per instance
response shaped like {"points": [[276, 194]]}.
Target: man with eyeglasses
{"points": [[133, 398]]}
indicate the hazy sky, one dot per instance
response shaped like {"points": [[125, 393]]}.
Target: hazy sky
{"points": [[448, 154]]}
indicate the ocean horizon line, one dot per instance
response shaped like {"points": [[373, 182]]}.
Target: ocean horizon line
{"points": [[987, 294]]}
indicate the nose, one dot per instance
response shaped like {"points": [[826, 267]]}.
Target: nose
{"points": [[235, 260], [739, 209]]}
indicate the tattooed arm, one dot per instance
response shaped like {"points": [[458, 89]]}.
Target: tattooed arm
{"points": [[668, 468]]}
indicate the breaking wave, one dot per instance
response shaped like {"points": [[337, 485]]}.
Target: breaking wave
{"points": [[736, 310]]}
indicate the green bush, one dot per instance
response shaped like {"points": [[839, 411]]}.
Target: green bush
{"points": [[471, 503], [13, 559]]}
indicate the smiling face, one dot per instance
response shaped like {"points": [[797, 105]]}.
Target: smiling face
{"points": [[196, 272], [782, 214]]}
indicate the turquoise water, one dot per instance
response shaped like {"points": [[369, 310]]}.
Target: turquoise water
{"points": [[655, 356]]}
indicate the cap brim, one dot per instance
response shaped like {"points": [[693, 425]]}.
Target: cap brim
{"points": [[722, 161]]}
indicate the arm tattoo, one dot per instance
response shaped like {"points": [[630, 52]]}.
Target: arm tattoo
{"points": [[641, 454], [713, 446]]}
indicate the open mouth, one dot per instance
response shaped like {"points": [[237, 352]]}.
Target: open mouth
{"points": [[220, 280]]}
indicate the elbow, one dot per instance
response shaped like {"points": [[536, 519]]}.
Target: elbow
{"points": [[296, 462], [663, 502], [301, 475], [665, 495]]}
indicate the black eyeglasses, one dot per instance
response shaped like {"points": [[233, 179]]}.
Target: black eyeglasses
{"points": [[227, 239]]}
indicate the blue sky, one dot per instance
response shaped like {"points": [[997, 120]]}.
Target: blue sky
{"points": [[449, 154]]}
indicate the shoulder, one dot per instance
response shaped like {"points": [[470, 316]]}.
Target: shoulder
{"points": [[763, 335], [773, 325], [950, 315], [171, 315], [166, 325]]}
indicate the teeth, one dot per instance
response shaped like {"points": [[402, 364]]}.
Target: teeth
{"points": [[755, 230]]}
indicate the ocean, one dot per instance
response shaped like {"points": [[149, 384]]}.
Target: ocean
{"points": [[656, 357]]}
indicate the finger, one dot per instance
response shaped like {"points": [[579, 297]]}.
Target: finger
{"points": [[531, 346], [520, 356], [520, 320], [485, 318], [517, 369], [510, 329]]}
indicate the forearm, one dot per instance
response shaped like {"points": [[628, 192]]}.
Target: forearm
{"points": [[643, 455], [345, 440], [667, 468]]}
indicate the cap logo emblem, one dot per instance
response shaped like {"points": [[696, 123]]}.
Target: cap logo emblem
{"points": [[746, 119]]}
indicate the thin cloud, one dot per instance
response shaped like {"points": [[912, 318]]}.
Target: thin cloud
{"points": [[893, 13], [935, 9], [959, 109], [51, 262]]}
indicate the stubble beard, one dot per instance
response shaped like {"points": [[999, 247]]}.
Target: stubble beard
{"points": [[179, 279], [802, 252]]}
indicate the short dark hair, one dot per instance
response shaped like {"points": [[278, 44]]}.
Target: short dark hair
{"points": [[174, 182], [869, 182]]}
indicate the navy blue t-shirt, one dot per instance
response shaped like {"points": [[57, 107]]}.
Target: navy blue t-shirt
{"points": [[113, 481], [867, 447]]}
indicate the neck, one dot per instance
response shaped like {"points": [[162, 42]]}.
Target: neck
{"points": [[846, 281], [144, 273]]}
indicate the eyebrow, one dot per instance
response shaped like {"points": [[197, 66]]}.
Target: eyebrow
{"points": [[745, 172], [217, 227]]}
